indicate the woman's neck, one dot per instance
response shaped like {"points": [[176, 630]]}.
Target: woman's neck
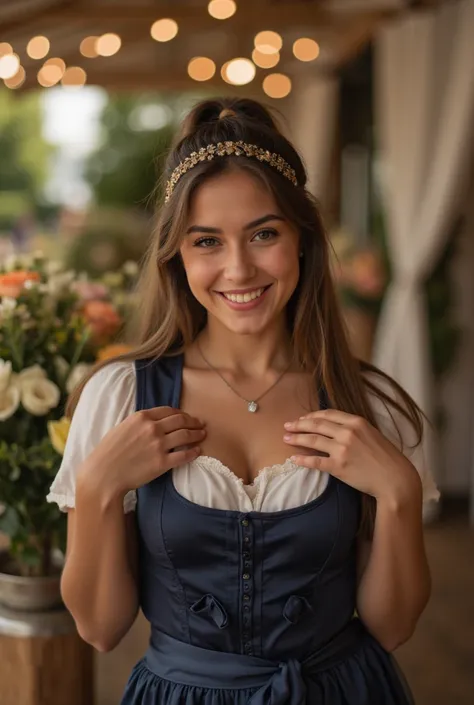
{"points": [[246, 355]]}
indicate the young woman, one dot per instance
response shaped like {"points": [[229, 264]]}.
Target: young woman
{"points": [[240, 476]]}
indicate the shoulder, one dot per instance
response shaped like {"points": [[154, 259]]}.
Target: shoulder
{"points": [[398, 429], [391, 420]]}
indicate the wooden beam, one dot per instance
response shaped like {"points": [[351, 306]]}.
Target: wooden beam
{"points": [[35, 15], [104, 18], [154, 80], [347, 44]]}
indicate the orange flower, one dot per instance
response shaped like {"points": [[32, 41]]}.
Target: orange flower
{"points": [[12, 283], [113, 351], [103, 320]]}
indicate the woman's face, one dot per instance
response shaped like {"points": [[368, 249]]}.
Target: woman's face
{"points": [[240, 253]]}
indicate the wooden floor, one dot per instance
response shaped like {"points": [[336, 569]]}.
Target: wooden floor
{"points": [[439, 659]]}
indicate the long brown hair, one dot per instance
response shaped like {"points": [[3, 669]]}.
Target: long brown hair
{"points": [[170, 317]]}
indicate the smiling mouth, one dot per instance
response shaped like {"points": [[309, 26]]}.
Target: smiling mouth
{"points": [[247, 297]]}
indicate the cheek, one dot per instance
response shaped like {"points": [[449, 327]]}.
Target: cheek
{"points": [[200, 272]]}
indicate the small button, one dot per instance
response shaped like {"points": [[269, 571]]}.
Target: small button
{"points": [[246, 539], [245, 522], [248, 645], [245, 555], [246, 576], [246, 608], [246, 598]]}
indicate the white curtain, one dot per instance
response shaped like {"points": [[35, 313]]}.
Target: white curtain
{"points": [[424, 115], [314, 108]]}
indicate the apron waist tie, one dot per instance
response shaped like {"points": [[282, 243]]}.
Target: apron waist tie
{"points": [[278, 683]]}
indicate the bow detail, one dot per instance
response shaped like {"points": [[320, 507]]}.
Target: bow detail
{"points": [[295, 607], [210, 605], [285, 687]]}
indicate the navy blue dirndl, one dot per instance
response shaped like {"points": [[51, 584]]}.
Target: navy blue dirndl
{"points": [[251, 608]]}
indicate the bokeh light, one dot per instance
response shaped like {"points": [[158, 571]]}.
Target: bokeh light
{"points": [[277, 85], [222, 9], [306, 49], [201, 68], [38, 47], [164, 30]]}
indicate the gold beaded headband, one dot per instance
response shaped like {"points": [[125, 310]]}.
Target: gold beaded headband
{"points": [[223, 149]]}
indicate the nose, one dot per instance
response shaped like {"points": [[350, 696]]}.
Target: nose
{"points": [[239, 265]]}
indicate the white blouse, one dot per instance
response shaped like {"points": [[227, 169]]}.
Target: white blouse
{"points": [[109, 397]]}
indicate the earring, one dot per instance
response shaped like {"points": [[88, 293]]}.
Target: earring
{"points": [[301, 253]]}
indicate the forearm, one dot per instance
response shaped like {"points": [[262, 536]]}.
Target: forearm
{"points": [[98, 585], [395, 586]]}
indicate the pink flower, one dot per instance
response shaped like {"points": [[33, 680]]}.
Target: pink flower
{"points": [[90, 291]]}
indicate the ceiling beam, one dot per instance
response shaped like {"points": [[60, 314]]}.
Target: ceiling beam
{"points": [[348, 44], [153, 80], [104, 18]]}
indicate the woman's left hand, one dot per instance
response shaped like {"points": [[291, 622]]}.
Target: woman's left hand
{"points": [[354, 452]]}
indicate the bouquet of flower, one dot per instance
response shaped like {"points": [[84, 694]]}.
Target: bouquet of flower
{"points": [[54, 325], [359, 273]]}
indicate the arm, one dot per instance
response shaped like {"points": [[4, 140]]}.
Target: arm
{"points": [[99, 581], [395, 582]]}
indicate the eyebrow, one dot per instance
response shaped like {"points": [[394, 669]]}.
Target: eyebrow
{"points": [[249, 226]]}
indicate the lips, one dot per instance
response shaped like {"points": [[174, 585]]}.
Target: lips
{"points": [[245, 299]]}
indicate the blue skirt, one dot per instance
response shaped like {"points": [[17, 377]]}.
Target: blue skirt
{"points": [[352, 670]]}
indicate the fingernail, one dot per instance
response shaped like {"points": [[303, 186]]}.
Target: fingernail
{"points": [[289, 424], [287, 437]]}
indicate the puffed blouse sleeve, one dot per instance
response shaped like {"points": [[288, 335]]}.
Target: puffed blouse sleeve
{"points": [[399, 431], [107, 399]]}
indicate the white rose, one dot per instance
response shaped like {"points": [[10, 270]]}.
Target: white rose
{"points": [[30, 373], [39, 395], [5, 375], [9, 402], [7, 306], [77, 375], [61, 366]]}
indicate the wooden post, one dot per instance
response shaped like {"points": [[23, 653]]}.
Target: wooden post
{"points": [[43, 661]]}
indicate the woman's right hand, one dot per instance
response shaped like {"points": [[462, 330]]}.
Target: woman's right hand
{"points": [[144, 446]]}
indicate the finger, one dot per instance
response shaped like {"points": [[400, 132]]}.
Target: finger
{"points": [[183, 437], [314, 425], [311, 440], [177, 421], [181, 457], [159, 412], [313, 462], [336, 416]]}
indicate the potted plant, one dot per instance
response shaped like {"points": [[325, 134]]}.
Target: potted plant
{"points": [[54, 324]]}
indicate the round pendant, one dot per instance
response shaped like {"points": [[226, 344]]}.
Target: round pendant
{"points": [[253, 406]]}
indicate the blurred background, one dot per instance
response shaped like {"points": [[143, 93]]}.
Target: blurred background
{"points": [[378, 96]]}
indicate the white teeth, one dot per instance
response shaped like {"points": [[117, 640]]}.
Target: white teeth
{"points": [[245, 298]]}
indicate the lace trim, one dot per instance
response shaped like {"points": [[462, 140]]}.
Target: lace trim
{"points": [[207, 462]]}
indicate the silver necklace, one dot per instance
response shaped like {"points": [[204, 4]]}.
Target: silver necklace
{"points": [[252, 404]]}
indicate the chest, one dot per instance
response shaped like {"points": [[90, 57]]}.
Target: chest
{"points": [[246, 442]]}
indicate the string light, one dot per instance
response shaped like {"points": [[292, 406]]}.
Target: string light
{"points": [[201, 68], [164, 30], [277, 85], [5, 48], [108, 44], [74, 76], [265, 61], [240, 71], [268, 42], [17, 80], [38, 47], [306, 49], [222, 9], [9, 65], [88, 47]]}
